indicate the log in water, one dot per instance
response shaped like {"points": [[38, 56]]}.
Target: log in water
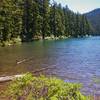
{"points": [[24, 60], [10, 78]]}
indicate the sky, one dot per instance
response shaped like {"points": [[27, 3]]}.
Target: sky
{"points": [[81, 6]]}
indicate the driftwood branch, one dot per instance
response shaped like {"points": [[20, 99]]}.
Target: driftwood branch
{"points": [[10, 78], [43, 69], [24, 60]]}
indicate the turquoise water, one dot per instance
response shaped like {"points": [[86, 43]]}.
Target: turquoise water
{"points": [[75, 60]]}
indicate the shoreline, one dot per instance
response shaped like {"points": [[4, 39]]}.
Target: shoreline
{"points": [[18, 41], [4, 85]]}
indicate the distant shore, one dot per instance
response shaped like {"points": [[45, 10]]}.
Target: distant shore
{"points": [[18, 41]]}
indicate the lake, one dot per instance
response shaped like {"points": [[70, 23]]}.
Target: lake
{"points": [[75, 60]]}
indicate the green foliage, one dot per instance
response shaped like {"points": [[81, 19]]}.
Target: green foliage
{"points": [[11, 42], [10, 20], [43, 88], [38, 18]]}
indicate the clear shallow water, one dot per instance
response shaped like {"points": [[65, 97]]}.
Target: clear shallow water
{"points": [[76, 60]]}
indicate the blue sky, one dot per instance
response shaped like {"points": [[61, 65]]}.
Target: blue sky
{"points": [[81, 6]]}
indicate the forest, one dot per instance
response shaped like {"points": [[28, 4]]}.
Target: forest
{"points": [[26, 20], [64, 67]]}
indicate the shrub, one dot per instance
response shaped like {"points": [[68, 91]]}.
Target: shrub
{"points": [[43, 88]]}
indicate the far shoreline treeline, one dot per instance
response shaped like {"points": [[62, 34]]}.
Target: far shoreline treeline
{"points": [[26, 20]]}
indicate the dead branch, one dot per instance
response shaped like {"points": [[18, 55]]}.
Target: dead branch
{"points": [[10, 78]]}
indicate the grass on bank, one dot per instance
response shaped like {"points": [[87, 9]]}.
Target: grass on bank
{"points": [[43, 88]]}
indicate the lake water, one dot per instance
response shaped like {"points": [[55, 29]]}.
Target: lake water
{"points": [[75, 60]]}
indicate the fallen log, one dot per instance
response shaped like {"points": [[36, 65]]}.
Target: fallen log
{"points": [[43, 69], [10, 78], [24, 60]]}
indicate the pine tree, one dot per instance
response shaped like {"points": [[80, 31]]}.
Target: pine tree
{"points": [[66, 10], [11, 22], [45, 18], [88, 27], [37, 18], [26, 21], [53, 18], [61, 21], [77, 25]]}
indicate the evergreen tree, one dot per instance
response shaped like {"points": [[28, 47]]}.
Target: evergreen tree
{"points": [[29, 19], [53, 18], [26, 21], [77, 25], [66, 10], [10, 20], [45, 18], [61, 21]]}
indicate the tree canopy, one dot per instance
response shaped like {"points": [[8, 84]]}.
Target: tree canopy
{"points": [[29, 19]]}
